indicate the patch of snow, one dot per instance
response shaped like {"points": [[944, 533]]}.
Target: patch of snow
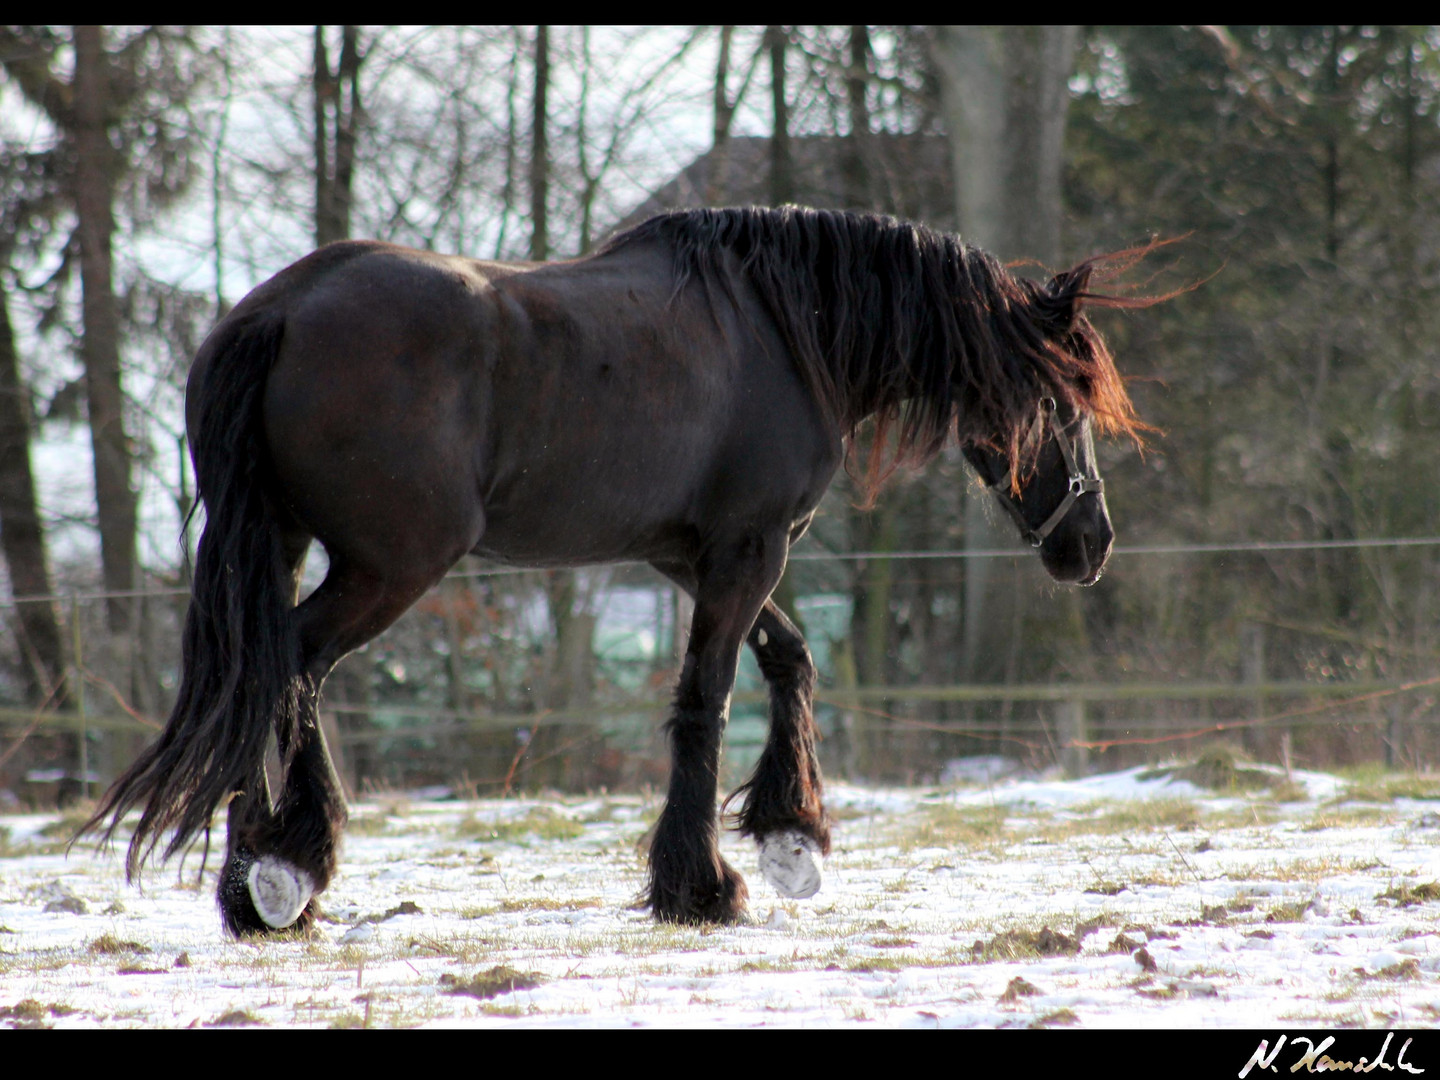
{"points": [[1256, 913]]}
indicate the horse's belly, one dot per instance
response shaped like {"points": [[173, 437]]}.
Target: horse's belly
{"points": [[550, 522]]}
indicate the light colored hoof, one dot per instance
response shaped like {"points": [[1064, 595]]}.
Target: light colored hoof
{"points": [[790, 861], [279, 890]]}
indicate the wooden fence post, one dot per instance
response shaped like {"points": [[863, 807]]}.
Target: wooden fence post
{"points": [[1252, 674], [1393, 759], [82, 735], [1070, 720]]}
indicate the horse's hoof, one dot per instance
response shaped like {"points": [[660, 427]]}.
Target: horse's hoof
{"points": [[691, 903], [790, 861], [279, 890]]}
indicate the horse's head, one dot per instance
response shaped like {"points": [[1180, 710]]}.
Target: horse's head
{"points": [[1042, 469], [1059, 505]]}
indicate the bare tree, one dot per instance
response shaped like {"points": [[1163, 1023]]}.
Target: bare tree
{"points": [[540, 150], [43, 658], [855, 156], [782, 163], [29, 204], [337, 118], [94, 193], [723, 112], [106, 113], [616, 127], [723, 115]]}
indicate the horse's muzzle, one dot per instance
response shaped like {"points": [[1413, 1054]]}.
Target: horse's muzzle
{"points": [[1079, 556]]}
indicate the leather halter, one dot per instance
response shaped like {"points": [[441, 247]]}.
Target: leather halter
{"points": [[1080, 484]]}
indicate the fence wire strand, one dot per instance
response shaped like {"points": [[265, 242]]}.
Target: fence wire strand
{"points": [[45, 715], [1204, 548]]}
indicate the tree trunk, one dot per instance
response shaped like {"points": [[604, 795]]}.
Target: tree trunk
{"points": [[20, 533], [782, 167], [540, 150], [94, 179], [337, 113], [855, 151], [571, 670], [724, 113], [1004, 92], [872, 622]]}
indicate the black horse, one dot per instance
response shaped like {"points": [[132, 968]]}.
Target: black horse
{"points": [[682, 397]]}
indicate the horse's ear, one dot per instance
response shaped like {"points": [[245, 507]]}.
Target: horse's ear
{"points": [[1063, 297]]}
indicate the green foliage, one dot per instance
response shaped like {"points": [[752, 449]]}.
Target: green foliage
{"points": [[1296, 386]]}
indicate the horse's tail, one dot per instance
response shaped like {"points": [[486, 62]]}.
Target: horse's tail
{"points": [[241, 674]]}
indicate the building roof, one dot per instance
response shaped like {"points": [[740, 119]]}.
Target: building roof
{"points": [[907, 175]]}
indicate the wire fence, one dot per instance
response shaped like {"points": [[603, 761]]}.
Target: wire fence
{"points": [[870, 730], [804, 556]]}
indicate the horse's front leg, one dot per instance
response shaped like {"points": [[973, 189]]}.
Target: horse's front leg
{"points": [[782, 809], [689, 881]]}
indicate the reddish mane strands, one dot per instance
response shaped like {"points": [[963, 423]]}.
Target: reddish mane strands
{"points": [[1109, 401]]}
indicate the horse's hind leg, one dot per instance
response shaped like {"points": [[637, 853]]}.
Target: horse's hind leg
{"points": [[258, 893], [281, 859], [782, 809]]}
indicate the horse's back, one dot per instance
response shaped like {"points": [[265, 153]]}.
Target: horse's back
{"points": [[630, 418], [566, 412]]}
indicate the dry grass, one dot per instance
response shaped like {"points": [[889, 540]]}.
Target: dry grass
{"points": [[541, 823], [1219, 768], [1115, 819], [540, 904], [110, 945], [1389, 788], [1350, 816], [1406, 895], [1024, 944], [498, 980], [956, 828]]}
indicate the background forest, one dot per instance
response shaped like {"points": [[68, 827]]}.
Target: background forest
{"points": [[1276, 578]]}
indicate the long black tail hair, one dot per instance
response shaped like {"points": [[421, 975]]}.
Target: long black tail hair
{"points": [[241, 673]]}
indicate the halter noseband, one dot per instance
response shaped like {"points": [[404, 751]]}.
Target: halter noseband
{"points": [[1080, 484]]}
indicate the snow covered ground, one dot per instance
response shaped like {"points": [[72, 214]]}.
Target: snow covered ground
{"points": [[1114, 901]]}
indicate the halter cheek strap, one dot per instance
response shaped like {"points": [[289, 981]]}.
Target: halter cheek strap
{"points": [[1080, 484]]}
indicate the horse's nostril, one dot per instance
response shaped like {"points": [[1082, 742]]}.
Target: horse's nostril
{"points": [[1098, 551], [1098, 540]]}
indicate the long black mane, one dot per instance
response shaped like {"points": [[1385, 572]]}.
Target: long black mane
{"points": [[896, 321]]}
